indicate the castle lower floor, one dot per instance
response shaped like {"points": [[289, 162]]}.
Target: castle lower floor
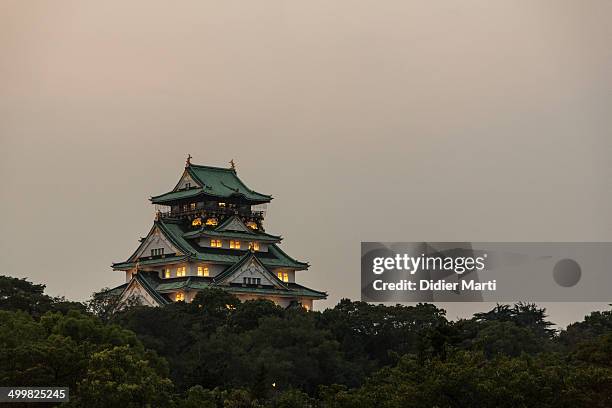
{"points": [[149, 290]]}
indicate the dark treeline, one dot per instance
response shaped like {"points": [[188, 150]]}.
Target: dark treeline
{"points": [[218, 352]]}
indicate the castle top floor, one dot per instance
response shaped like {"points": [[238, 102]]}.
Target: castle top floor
{"points": [[211, 191], [216, 183]]}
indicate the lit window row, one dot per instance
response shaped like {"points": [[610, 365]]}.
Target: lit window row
{"points": [[233, 244], [284, 276], [203, 271], [182, 271]]}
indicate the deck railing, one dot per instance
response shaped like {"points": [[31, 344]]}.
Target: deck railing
{"points": [[209, 212]]}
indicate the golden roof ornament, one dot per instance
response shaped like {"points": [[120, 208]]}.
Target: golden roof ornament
{"points": [[188, 161], [232, 164]]}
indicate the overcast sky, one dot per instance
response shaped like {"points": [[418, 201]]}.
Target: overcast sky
{"points": [[366, 120]]}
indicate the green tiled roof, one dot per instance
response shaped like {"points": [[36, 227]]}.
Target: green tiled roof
{"points": [[117, 290], [172, 285], [246, 258], [158, 287], [174, 233], [273, 258], [259, 236], [176, 195], [227, 224], [225, 230], [224, 183], [150, 286], [297, 290], [214, 181], [281, 256], [149, 262]]}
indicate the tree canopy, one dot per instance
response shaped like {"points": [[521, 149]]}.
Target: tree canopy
{"points": [[219, 352]]}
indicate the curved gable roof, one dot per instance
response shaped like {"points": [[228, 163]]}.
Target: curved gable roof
{"points": [[222, 182], [213, 181], [274, 258]]}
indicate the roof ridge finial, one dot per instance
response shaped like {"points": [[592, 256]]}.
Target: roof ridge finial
{"points": [[188, 161], [233, 165]]}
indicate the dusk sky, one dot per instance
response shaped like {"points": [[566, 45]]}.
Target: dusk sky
{"points": [[366, 120]]}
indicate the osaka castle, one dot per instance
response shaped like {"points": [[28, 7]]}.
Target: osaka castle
{"points": [[209, 232]]}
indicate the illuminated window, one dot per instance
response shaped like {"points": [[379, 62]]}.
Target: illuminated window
{"points": [[215, 243], [181, 271], [185, 207], [306, 307], [202, 270], [222, 205], [180, 296], [196, 222], [284, 276], [234, 244], [252, 225], [254, 246], [167, 273], [212, 221], [157, 251]]}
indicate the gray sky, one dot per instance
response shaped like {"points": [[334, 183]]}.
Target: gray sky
{"points": [[367, 120]]}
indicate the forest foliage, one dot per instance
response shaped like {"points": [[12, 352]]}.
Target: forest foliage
{"points": [[219, 352]]}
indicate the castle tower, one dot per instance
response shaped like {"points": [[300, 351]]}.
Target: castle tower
{"points": [[208, 232]]}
